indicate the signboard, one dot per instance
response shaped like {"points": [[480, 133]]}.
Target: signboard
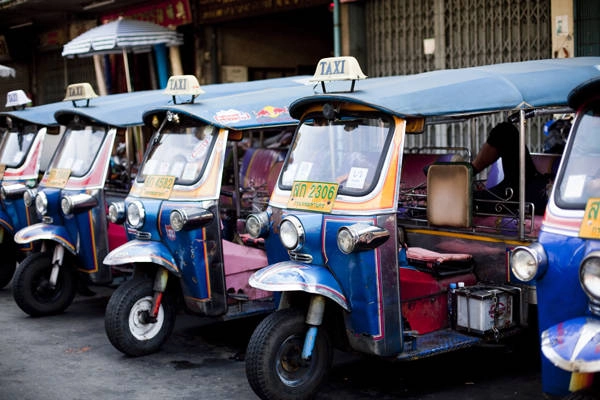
{"points": [[590, 226], [167, 13], [313, 196], [158, 186]]}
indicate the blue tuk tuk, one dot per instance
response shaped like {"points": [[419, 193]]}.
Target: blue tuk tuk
{"points": [[22, 152], [210, 162], [391, 253], [564, 263]]}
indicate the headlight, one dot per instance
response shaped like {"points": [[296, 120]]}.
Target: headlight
{"points": [[116, 212], [589, 276], [359, 237], [13, 191], [78, 202], [528, 263], [257, 225], [41, 203], [29, 197], [136, 214], [189, 218], [291, 233]]}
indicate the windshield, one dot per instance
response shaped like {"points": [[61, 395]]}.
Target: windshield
{"points": [[15, 146], [181, 152], [349, 152], [580, 178], [78, 149]]}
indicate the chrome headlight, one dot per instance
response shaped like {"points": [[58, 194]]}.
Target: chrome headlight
{"points": [[589, 277], [189, 218], [528, 263], [29, 197], [81, 201], [257, 225], [136, 214], [13, 191], [291, 233], [116, 212], [360, 237], [41, 203]]}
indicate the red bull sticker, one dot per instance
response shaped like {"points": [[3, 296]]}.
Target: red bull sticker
{"points": [[271, 112], [231, 116]]}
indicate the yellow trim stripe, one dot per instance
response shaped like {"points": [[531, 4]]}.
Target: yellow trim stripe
{"points": [[467, 236]]}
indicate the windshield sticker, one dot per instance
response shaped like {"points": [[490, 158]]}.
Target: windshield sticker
{"points": [[357, 178], [590, 226], [303, 171], [158, 186], [313, 196], [58, 177], [574, 186], [231, 116]]}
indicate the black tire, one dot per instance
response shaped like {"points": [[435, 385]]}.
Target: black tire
{"points": [[124, 323], [31, 291], [8, 263], [273, 359]]}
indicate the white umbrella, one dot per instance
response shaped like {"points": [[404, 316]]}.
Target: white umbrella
{"points": [[6, 72], [121, 36]]}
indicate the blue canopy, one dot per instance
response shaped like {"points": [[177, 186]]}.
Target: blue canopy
{"points": [[40, 115], [126, 109], [508, 86], [266, 106]]}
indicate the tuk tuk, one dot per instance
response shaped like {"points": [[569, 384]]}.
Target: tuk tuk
{"points": [[387, 252], [564, 263], [73, 234], [181, 215], [22, 151]]}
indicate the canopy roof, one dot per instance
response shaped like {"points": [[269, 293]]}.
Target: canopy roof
{"points": [[266, 105], [40, 115], [508, 86], [127, 109]]}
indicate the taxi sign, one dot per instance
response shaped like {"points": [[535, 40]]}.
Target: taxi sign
{"points": [[338, 69], [183, 85], [16, 98], [313, 196], [158, 186], [80, 91], [590, 226]]}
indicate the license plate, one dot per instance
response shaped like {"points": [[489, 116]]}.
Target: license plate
{"points": [[58, 177], [590, 226], [313, 196], [158, 186]]}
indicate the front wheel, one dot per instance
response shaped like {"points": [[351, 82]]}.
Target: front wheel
{"points": [[32, 290], [274, 365], [127, 321]]}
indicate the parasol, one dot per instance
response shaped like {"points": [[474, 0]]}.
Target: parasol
{"points": [[121, 36]]}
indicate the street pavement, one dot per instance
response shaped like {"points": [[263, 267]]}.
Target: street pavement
{"points": [[68, 357]]}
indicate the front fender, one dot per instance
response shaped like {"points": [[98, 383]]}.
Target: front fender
{"points": [[144, 251], [43, 231], [290, 276], [573, 345]]}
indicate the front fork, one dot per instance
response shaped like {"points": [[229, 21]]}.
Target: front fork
{"points": [[58, 256], [160, 285], [314, 318]]}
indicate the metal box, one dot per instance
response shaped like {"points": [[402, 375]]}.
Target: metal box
{"points": [[486, 309]]}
